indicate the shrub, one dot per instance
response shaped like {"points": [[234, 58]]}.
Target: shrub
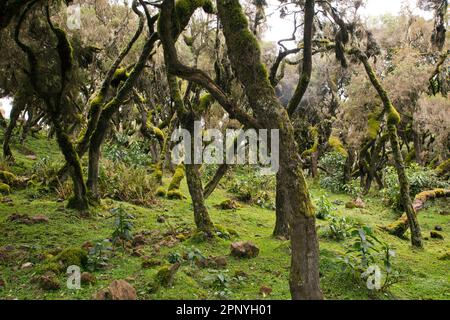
{"points": [[124, 183], [254, 188], [125, 149], [419, 178], [122, 225], [339, 228], [333, 180], [324, 207]]}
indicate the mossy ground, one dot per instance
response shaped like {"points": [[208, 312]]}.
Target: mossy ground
{"points": [[424, 276]]}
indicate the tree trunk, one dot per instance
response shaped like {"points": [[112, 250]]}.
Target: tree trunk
{"points": [[393, 119], [212, 184], [14, 116], [281, 229], [245, 56]]}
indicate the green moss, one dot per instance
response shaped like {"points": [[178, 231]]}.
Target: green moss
{"points": [[50, 266], [161, 192], [393, 116], [315, 137], [163, 276], [120, 75], [373, 126], [221, 231], [177, 178], [4, 189], [8, 177], [443, 169], [158, 133], [157, 174], [336, 144], [175, 194], [71, 256], [205, 101]]}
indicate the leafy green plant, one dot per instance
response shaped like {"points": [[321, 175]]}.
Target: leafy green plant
{"points": [[122, 225], [254, 188], [333, 180], [221, 283], [366, 252], [127, 150], [339, 228], [353, 188], [324, 208], [174, 257], [98, 255]]}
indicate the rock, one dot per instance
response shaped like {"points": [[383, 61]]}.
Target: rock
{"points": [[350, 205], [48, 282], [31, 157], [39, 218], [26, 265], [87, 245], [161, 219], [213, 262], [244, 249], [436, 235], [438, 228], [221, 261], [117, 290], [265, 291], [20, 218], [88, 278], [444, 213], [166, 274], [139, 240], [149, 263], [137, 252], [359, 203], [228, 205]]}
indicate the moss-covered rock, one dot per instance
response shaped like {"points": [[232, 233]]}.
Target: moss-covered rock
{"points": [[70, 257], [443, 169], [8, 178], [229, 204], [175, 194], [166, 274], [4, 189], [161, 192]]}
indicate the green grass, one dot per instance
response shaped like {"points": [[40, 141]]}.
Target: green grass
{"points": [[424, 276]]}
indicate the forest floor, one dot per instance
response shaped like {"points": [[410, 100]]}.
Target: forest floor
{"points": [[423, 273]]}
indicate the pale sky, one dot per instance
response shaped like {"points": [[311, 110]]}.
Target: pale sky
{"points": [[282, 28]]}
